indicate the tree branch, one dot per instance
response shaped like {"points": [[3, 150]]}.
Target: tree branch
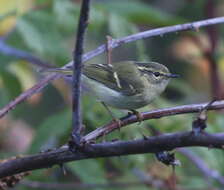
{"points": [[155, 144], [11, 51], [150, 33], [202, 166], [155, 114], [77, 71], [114, 44], [28, 93]]}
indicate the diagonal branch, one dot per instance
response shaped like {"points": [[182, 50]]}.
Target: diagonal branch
{"points": [[155, 114], [151, 33], [28, 93], [114, 44], [11, 51], [77, 71], [165, 142], [202, 166]]}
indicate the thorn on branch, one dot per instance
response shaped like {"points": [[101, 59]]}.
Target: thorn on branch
{"points": [[63, 169], [199, 124], [144, 137], [167, 158]]}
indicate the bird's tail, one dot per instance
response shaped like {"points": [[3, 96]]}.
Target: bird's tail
{"points": [[64, 71]]}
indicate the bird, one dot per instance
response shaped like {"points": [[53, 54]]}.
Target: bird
{"points": [[125, 85]]}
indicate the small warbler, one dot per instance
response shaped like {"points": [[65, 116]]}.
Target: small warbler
{"points": [[125, 85]]}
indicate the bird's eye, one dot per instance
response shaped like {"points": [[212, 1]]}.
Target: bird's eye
{"points": [[156, 74]]}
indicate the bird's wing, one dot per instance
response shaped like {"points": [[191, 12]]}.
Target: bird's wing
{"points": [[122, 76]]}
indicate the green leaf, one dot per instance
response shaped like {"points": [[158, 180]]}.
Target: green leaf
{"points": [[119, 27], [89, 171], [66, 14], [11, 83], [50, 131], [97, 19], [23, 73], [41, 34], [4, 97], [31, 35], [141, 13]]}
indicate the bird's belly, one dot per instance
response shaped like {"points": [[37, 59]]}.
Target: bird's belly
{"points": [[113, 98]]}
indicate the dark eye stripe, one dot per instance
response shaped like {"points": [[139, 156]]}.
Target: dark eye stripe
{"points": [[157, 74], [146, 70]]}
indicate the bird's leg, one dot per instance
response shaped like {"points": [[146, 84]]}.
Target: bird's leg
{"points": [[138, 115], [108, 110], [112, 115]]}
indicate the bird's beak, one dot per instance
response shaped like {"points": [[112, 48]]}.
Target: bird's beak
{"points": [[173, 76]]}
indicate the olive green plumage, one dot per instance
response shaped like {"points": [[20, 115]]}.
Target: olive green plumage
{"points": [[112, 76], [124, 85]]}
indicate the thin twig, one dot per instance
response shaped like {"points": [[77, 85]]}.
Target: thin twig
{"points": [[166, 142], [199, 163], [77, 71], [154, 32], [155, 114], [11, 51], [109, 50], [202, 166], [116, 43], [28, 93]]}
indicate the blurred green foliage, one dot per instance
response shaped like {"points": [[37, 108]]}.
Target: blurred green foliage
{"points": [[47, 29]]}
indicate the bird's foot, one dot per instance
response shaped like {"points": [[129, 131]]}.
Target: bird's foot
{"points": [[138, 115], [118, 121]]}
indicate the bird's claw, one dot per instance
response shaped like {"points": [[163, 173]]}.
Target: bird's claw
{"points": [[118, 121], [138, 115]]}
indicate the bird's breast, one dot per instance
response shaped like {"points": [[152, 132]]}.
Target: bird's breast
{"points": [[114, 98]]}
